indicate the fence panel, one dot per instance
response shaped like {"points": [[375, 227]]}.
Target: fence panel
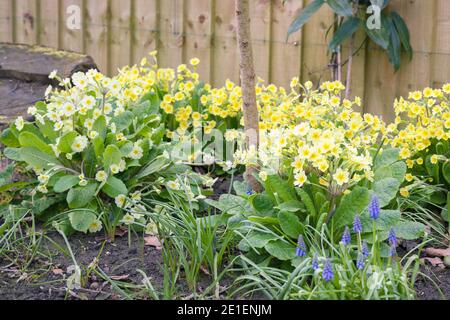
{"points": [[119, 32]]}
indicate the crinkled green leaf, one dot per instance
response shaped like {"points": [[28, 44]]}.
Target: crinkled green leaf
{"points": [[262, 203], [112, 155], [82, 219], [386, 190], [9, 139], [290, 224], [396, 170], [281, 249], [79, 197], [386, 158], [37, 158], [157, 165], [351, 204], [114, 187], [65, 183], [28, 139], [231, 204], [409, 230], [66, 141], [386, 220], [274, 184]]}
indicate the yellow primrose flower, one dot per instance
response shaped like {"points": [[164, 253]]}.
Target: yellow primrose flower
{"points": [[43, 178], [409, 177], [434, 159], [174, 185], [127, 219], [194, 61], [404, 192], [114, 168], [300, 178], [341, 177], [120, 200], [95, 226], [101, 176], [79, 144], [410, 163]]}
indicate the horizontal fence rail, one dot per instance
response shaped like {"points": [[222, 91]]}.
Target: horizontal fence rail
{"points": [[121, 32]]}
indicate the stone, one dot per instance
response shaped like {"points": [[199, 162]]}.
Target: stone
{"points": [[24, 72]]}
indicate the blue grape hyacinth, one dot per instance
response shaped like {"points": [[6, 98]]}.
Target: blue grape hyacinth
{"points": [[357, 225], [315, 263], [301, 247], [374, 207], [346, 238], [392, 251], [360, 261], [365, 250], [328, 274], [392, 237]]}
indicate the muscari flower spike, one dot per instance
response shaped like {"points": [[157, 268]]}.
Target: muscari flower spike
{"points": [[392, 237], [328, 274], [365, 250], [392, 251], [315, 263], [360, 261], [357, 225], [301, 247], [346, 238], [374, 208]]}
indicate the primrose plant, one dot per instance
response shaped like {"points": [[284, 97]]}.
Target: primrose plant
{"points": [[96, 146]]}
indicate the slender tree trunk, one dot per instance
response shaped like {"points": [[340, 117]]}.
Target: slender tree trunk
{"points": [[247, 71], [348, 83]]}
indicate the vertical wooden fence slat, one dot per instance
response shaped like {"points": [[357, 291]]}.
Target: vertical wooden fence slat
{"points": [[315, 56], [382, 82], [49, 24], [146, 33], [26, 21], [441, 57], [198, 35], [120, 35], [286, 56], [419, 16], [72, 39], [260, 12], [226, 57], [6, 21], [358, 66], [171, 42], [96, 42]]}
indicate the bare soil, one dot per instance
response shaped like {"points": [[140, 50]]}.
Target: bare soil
{"points": [[45, 279]]}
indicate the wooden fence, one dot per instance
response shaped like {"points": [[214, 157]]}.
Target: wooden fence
{"points": [[121, 32]]}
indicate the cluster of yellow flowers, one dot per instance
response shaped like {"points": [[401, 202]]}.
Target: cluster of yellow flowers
{"points": [[314, 131], [422, 121], [84, 112], [424, 117], [302, 130]]}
